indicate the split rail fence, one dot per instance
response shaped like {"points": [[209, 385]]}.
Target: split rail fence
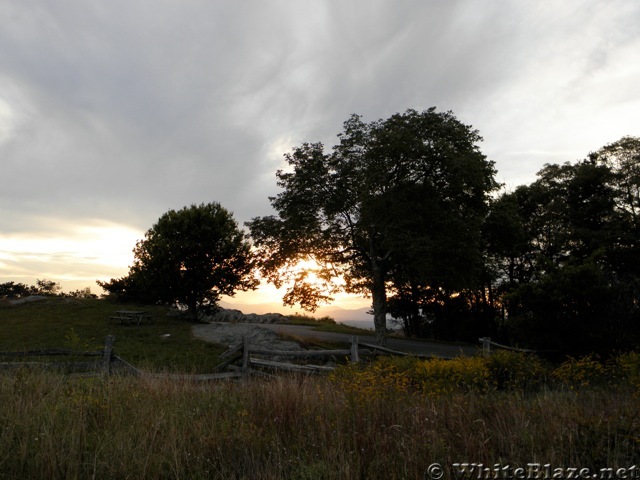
{"points": [[104, 361], [239, 361], [487, 344], [244, 360]]}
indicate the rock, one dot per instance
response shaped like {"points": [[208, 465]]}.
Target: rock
{"points": [[234, 333], [230, 327], [236, 316], [29, 299]]}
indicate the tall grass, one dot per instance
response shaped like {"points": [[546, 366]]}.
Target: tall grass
{"points": [[55, 426]]}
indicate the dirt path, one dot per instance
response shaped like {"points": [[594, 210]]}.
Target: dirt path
{"points": [[267, 335]]}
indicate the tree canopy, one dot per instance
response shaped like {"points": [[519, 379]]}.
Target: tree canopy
{"points": [[43, 286], [396, 200], [191, 258], [565, 254]]}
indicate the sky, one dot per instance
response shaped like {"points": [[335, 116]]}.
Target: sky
{"points": [[112, 113]]}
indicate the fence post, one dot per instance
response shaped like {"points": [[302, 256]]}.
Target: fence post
{"points": [[107, 354], [486, 345], [246, 361], [355, 357]]}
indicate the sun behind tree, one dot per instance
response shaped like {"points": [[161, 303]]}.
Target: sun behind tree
{"points": [[398, 202]]}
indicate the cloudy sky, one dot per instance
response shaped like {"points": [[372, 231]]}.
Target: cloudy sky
{"points": [[112, 113]]}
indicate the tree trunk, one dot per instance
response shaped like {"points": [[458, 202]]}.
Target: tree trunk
{"points": [[416, 318], [192, 308], [379, 297]]}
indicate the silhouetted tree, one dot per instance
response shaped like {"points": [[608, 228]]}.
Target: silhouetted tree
{"points": [[191, 258], [565, 257], [47, 287], [396, 200], [14, 290]]}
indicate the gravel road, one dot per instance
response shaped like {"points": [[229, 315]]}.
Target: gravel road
{"points": [[400, 344]]}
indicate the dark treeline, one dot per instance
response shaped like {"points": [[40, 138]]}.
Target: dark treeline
{"points": [[405, 211], [49, 288], [561, 264]]}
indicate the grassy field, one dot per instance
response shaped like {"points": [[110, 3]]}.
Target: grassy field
{"points": [[82, 324], [59, 427], [387, 420], [165, 344]]}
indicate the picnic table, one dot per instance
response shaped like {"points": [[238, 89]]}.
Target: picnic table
{"points": [[131, 317]]}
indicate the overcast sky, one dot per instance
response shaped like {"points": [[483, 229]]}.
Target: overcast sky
{"points": [[113, 112]]}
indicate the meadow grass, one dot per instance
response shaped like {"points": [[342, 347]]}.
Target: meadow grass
{"points": [[388, 419], [56, 426]]}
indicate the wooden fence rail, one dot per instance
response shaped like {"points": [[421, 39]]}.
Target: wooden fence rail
{"points": [[487, 344], [102, 364], [239, 361], [250, 357]]}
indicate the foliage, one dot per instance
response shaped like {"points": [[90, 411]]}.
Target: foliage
{"points": [[516, 371], [436, 377], [590, 371], [12, 290], [382, 379], [47, 287], [397, 201], [564, 255], [500, 371], [301, 319], [581, 372], [625, 368], [189, 258], [81, 293], [73, 341]]}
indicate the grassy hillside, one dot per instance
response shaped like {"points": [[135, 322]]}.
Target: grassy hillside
{"points": [[83, 324]]}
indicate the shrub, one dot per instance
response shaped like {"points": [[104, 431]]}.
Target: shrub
{"points": [[433, 377], [440, 376], [513, 370], [503, 370], [581, 372], [385, 377], [625, 369]]}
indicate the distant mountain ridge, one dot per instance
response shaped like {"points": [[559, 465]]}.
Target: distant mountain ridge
{"points": [[355, 317]]}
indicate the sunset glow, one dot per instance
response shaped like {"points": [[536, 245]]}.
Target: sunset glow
{"points": [[75, 256]]}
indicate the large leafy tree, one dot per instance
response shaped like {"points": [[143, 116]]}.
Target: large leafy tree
{"points": [[190, 257], [564, 252], [622, 159], [396, 199]]}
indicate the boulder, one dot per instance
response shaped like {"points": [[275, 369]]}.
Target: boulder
{"points": [[231, 315], [232, 334]]}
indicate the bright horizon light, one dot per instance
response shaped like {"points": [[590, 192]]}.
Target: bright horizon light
{"points": [[77, 255], [73, 255]]}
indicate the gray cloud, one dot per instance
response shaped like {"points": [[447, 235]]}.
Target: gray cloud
{"points": [[121, 110]]}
